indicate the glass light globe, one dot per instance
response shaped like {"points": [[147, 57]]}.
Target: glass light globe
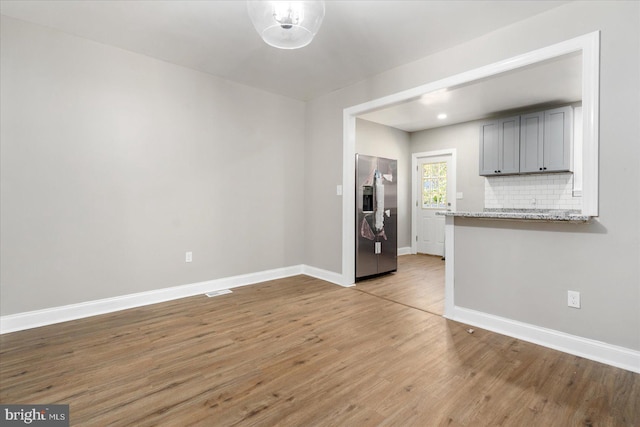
{"points": [[286, 24]]}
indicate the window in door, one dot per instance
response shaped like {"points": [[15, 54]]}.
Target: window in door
{"points": [[434, 185]]}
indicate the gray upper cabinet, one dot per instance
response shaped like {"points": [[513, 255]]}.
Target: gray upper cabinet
{"points": [[500, 147], [558, 124], [545, 141], [489, 157], [531, 143]]}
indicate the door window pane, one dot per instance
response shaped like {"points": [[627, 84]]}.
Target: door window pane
{"points": [[434, 185]]}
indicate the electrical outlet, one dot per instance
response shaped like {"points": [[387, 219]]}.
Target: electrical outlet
{"points": [[188, 257], [573, 299]]}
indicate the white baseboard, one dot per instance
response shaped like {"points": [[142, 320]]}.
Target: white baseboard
{"points": [[327, 276], [404, 251], [49, 316], [34, 319], [609, 354]]}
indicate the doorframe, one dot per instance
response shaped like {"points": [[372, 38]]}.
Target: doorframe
{"points": [[588, 44], [416, 158]]}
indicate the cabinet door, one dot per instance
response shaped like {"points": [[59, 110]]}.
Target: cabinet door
{"points": [[509, 137], [557, 139], [531, 145], [489, 149]]}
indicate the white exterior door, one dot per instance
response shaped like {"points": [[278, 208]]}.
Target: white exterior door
{"points": [[434, 195]]}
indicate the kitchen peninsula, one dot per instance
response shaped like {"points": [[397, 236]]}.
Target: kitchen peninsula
{"points": [[523, 215]]}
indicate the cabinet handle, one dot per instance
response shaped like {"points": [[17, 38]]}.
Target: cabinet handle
{"points": [[544, 168], [540, 168]]}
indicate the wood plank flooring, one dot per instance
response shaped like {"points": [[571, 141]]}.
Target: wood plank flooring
{"points": [[302, 352], [418, 283]]}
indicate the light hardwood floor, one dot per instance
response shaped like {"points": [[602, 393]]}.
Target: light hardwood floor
{"points": [[418, 283], [302, 352]]}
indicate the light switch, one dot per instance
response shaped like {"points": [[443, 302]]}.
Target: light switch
{"points": [[338, 190], [459, 195]]}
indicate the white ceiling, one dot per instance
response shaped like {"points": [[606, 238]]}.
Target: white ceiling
{"points": [[556, 81], [357, 39]]}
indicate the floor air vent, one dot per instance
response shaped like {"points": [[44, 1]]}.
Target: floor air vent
{"points": [[216, 293]]}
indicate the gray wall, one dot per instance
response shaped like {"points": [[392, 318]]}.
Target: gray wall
{"points": [[114, 164], [600, 260], [374, 139], [464, 138]]}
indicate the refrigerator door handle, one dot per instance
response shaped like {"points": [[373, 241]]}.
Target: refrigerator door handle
{"points": [[378, 247]]}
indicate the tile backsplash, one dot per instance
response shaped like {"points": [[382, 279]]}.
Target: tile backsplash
{"points": [[536, 191]]}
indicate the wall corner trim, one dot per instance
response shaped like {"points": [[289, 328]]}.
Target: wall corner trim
{"points": [[327, 276], [620, 357], [49, 316]]}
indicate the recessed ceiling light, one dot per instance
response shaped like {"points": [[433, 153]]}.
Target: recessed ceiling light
{"points": [[442, 116]]}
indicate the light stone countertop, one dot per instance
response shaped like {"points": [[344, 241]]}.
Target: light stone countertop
{"points": [[523, 215]]}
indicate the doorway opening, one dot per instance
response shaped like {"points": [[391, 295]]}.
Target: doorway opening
{"points": [[588, 46]]}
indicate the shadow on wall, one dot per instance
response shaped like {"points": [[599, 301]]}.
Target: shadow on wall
{"points": [[591, 227]]}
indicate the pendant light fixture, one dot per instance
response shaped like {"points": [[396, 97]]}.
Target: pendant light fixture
{"points": [[286, 24]]}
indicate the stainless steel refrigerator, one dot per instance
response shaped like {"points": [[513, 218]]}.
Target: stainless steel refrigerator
{"points": [[376, 216]]}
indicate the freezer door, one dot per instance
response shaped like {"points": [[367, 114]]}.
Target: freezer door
{"points": [[366, 258]]}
